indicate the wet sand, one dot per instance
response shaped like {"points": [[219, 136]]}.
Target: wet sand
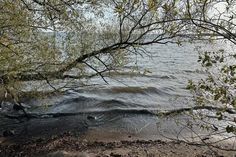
{"points": [[67, 145]]}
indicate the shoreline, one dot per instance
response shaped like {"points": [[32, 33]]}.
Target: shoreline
{"points": [[44, 139], [68, 145]]}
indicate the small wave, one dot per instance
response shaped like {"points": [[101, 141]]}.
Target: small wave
{"points": [[89, 102], [139, 74], [123, 73], [164, 76], [116, 103], [138, 90], [169, 88], [128, 89], [81, 99], [194, 71]]}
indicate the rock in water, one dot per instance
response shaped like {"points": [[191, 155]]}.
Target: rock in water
{"points": [[20, 106], [115, 155], [8, 133], [17, 107], [89, 117]]}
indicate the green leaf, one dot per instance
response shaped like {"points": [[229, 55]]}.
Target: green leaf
{"points": [[230, 129], [221, 59], [208, 64]]}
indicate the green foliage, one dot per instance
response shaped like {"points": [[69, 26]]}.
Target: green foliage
{"points": [[219, 87], [231, 129], [48, 38]]}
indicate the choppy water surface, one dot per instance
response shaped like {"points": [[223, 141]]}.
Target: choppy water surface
{"points": [[111, 109]]}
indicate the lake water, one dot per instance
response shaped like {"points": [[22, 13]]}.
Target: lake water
{"points": [[114, 110]]}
